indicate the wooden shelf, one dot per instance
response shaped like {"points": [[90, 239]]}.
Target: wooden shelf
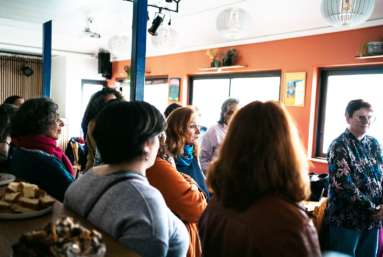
{"points": [[369, 56], [224, 67]]}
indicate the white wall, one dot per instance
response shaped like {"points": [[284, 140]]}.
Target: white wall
{"points": [[68, 96], [58, 83]]}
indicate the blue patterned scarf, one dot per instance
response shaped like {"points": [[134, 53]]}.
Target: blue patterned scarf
{"points": [[186, 158]]}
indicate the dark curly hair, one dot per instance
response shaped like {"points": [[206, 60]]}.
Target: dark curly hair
{"points": [[12, 99], [96, 103], [6, 111], [122, 129], [35, 117]]}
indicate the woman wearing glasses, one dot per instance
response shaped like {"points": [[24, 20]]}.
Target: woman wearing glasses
{"points": [[354, 209], [35, 127]]}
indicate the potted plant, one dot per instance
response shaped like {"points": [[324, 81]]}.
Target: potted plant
{"points": [[371, 46], [229, 57], [212, 53], [127, 72]]}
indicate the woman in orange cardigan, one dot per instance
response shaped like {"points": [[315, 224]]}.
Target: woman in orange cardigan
{"points": [[181, 193]]}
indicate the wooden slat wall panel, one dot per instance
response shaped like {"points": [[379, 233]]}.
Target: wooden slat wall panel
{"points": [[14, 82]]}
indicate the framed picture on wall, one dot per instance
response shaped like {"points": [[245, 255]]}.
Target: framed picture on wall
{"points": [[295, 84], [174, 89]]}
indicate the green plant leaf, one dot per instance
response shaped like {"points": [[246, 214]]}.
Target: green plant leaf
{"points": [[368, 36], [216, 64], [234, 50], [221, 56], [234, 58]]}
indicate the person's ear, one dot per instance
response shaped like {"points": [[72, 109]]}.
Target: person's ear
{"points": [[348, 119]]}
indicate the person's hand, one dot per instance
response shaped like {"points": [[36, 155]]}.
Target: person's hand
{"points": [[379, 215]]}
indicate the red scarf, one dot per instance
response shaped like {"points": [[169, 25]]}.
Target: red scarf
{"points": [[45, 144]]}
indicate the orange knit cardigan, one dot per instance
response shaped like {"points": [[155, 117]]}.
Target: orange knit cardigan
{"points": [[181, 196]]}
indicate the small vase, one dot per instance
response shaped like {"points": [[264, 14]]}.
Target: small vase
{"points": [[226, 62], [375, 48]]}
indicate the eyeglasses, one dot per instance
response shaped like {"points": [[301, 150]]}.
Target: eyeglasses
{"points": [[364, 118]]}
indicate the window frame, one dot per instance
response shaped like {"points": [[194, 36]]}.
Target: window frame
{"points": [[260, 74], [323, 82], [103, 83]]}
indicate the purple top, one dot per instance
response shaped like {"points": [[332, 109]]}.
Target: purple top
{"points": [[211, 143]]}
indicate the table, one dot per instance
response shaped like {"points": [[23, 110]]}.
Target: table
{"points": [[11, 230]]}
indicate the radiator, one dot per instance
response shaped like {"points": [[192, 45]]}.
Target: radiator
{"points": [[64, 137]]}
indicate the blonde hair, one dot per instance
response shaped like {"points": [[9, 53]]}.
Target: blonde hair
{"points": [[178, 122], [261, 155]]}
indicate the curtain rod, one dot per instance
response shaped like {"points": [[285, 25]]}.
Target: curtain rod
{"points": [[21, 55]]}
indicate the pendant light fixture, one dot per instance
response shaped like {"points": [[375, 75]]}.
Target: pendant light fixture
{"points": [[234, 23], [346, 13], [119, 44], [167, 39]]}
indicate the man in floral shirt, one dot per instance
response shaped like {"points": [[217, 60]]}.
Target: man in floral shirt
{"points": [[354, 211]]}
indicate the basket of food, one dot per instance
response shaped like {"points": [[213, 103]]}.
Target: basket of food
{"points": [[62, 238]]}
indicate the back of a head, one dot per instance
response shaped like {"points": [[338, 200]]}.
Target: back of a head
{"points": [[122, 128], [6, 111], [97, 102], [171, 108], [11, 99], [178, 122], [34, 117], [261, 155]]}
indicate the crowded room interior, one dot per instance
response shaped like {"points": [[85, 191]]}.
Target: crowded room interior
{"points": [[191, 128]]}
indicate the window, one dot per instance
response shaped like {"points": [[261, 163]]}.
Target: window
{"points": [[156, 91], [338, 87], [88, 88], [208, 92]]}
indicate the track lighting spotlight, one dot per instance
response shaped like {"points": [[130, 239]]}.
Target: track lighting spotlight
{"points": [[157, 22]]}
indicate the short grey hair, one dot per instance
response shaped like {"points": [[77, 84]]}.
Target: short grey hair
{"points": [[224, 107]]}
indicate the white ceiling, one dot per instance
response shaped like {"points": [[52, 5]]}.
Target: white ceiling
{"points": [[21, 23]]}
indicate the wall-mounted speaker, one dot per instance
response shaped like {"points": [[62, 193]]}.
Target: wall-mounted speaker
{"points": [[104, 63]]}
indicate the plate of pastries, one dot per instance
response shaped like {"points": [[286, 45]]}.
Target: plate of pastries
{"points": [[23, 200], [61, 238]]}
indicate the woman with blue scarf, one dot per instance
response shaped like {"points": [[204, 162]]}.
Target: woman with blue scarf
{"points": [[182, 138]]}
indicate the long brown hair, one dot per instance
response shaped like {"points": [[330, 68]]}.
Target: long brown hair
{"points": [[178, 122], [261, 155]]}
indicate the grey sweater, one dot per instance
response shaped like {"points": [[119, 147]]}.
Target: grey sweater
{"points": [[131, 211]]}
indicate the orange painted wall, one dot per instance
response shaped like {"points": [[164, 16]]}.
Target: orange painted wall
{"points": [[304, 54]]}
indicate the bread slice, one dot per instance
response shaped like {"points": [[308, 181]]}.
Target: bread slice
{"points": [[28, 190], [46, 201], [17, 208], [12, 197], [35, 236], [5, 207], [39, 192], [12, 187], [29, 203]]}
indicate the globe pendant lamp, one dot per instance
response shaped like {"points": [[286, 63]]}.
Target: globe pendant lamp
{"points": [[167, 39], [234, 23], [119, 44], [346, 13]]}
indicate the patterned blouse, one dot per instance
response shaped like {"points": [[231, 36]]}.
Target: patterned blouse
{"points": [[355, 169]]}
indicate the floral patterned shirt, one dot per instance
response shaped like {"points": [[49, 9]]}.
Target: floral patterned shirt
{"points": [[355, 170]]}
